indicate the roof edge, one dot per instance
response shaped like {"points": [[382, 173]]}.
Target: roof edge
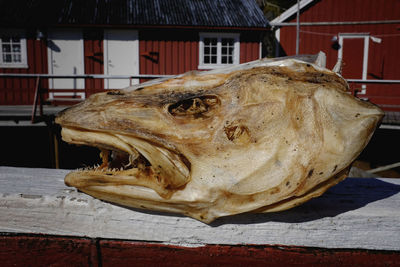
{"points": [[146, 26], [292, 10]]}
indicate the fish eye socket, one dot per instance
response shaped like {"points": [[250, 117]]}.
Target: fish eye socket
{"points": [[197, 106]]}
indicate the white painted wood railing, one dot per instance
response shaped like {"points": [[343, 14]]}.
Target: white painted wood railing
{"points": [[357, 213]]}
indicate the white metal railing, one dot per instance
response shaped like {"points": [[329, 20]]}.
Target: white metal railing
{"points": [[82, 76], [360, 93], [139, 76], [372, 81], [38, 95]]}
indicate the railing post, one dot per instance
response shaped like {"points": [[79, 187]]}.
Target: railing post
{"points": [[36, 99]]}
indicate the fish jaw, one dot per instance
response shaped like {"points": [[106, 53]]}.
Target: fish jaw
{"points": [[161, 169]]}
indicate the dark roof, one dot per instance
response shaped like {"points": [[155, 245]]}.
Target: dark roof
{"points": [[209, 13]]}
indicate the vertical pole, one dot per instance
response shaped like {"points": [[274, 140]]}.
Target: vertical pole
{"points": [[298, 27], [35, 100], [56, 154], [41, 99]]}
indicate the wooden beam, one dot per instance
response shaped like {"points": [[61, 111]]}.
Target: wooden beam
{"points": [[359, 213], [39, 250]]}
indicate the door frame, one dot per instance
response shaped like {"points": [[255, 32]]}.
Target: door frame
{"points": [[106, 60], [364, 36], [50, 60]]}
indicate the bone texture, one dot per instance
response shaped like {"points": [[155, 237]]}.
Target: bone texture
{"points": [[259, 137]]}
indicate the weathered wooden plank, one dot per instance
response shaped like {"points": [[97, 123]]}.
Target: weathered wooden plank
{"points": [[38, 250], [357, 213], [124, 253], [47, 251]]}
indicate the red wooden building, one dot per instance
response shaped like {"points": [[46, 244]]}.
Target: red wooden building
{"points": [[120, 38], [365, 34]]}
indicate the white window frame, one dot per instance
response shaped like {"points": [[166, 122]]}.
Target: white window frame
{"points": [[219, 36], [24, 59]]}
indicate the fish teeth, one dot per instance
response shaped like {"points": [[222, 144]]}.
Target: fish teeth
{"points": [[98, 168]]}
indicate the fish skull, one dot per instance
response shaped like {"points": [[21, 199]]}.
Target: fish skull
{"points": [[263, 136]]}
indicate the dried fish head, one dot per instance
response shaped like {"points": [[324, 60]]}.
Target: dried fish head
{"points": [[262, 136]]}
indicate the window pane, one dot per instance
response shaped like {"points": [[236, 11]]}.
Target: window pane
{"points": [[16, 48], [224, 50], [210, 41], [218, 50], [16, 39], [224, 59], [6, 48], [6, 57], [5, 39], [16, 58], [227, 41]]}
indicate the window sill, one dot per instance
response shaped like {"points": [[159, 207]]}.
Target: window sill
{"points": [[214, 66], [14, 66]]}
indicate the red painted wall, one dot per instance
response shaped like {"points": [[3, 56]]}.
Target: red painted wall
{"points": [[177, 51], [168, 52], [20, 91], [16, 91], [249, 46], [319, 38], [164, 52], [94, 60], [383, 57]]}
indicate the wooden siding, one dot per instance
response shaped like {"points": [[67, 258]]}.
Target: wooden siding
{"points": [[94, 60], [177, 51], [319, 38], [17, 91], [249, 47], [20, 91], [165, 52], [168, 52], [354, 10], [383, 57]]}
